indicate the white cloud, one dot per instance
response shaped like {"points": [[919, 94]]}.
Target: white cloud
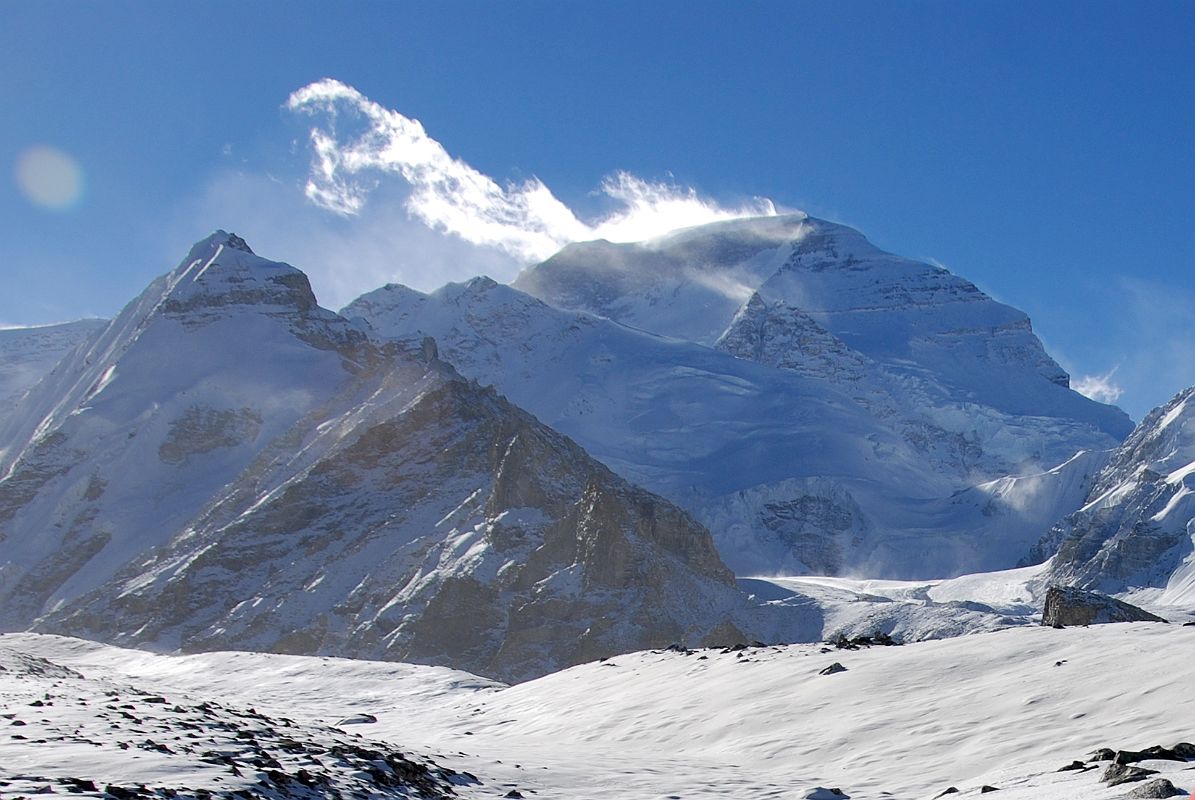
{"points": [[1100, 388], [356, 142]]}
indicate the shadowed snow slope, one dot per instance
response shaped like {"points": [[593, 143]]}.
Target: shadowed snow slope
{"points": [[853, 412], [228, 465], [28, 354], [1004, 709]]}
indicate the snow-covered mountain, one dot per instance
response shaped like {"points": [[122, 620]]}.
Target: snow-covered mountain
{"points": [[742, 369], [914, 318], [228, 465], [1135, 533], [28, 354]]}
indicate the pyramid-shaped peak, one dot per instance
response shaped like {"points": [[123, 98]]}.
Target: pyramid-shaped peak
{"points": [[221, 237], [222, 270]]}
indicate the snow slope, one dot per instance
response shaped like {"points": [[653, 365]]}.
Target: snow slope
{"points": [[1005, 709], [28, 354]]}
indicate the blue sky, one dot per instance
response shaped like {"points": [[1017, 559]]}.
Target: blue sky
{"points": [[1044, 151]]}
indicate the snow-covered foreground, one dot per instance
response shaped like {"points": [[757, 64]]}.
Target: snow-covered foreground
{"points": [[1005, 709]]}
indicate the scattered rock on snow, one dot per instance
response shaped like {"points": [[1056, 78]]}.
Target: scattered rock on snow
{"points": [[822, 793], [1156, 752], [877, 638], [1067, 605], [833, 669]]}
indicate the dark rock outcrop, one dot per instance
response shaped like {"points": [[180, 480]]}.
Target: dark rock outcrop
{"points": [[1117, 774], [1066, 605]]}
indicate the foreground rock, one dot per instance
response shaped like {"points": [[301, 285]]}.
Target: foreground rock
{"points": [[1070, 606], [1157, 788], [1116, 774]]}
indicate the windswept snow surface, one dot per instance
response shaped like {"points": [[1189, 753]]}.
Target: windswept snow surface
{"points": [[1004, 709]]}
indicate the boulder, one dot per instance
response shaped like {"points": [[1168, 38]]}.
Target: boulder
{"points": [[822, 793], [1117, 774], [1067, 605], [1159, 787]]}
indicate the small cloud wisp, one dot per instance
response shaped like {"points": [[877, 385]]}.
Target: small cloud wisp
{"points": [[1100, 388]]}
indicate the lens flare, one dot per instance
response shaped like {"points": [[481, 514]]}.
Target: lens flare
{"points": [[49, 178]]}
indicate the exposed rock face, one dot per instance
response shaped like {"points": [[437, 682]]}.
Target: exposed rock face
{"points": [[1070, 606], [232, 467], [200, 430]]}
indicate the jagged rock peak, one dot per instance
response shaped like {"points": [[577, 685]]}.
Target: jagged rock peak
{"points": [[238, 243], [222, 270], [222, 237]]}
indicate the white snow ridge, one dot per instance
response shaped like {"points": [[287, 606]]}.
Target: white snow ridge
{"points": [[752, 510]]}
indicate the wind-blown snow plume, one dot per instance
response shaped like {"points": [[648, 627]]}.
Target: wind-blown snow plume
{"points": [[356, 140]]}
